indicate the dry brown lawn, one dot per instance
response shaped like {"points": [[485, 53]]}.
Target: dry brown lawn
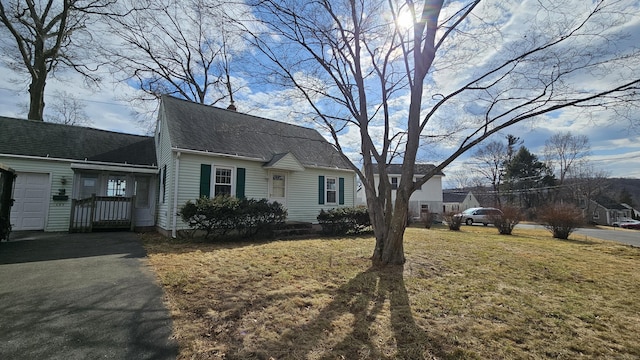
{"points": [[472, 294]]}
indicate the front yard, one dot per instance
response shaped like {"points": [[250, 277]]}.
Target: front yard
{"points": [[472, 294]]}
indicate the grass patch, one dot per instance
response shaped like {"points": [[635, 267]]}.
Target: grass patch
{"points": [[472, 294]]}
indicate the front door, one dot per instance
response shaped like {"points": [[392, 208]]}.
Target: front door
{"points": [[278, 188], [144, 190]]}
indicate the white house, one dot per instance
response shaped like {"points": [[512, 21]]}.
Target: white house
{"points": [[207, 151], [427, 198], [454, 201], [79, 179]]}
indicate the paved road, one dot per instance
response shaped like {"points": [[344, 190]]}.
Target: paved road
{"points": [[80, 296], [629, 237]]}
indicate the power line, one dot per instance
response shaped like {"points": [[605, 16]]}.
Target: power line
{"points": [[80, 98]]}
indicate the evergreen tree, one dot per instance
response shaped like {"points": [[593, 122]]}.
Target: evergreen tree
{"points": [[626, 197], [528, 179]]}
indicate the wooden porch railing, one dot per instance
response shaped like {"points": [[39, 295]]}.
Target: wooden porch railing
{"points": [[102, 212]]}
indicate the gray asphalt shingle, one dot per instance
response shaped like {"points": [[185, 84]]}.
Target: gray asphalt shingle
{"points": [[206, 128], [42, 139]]}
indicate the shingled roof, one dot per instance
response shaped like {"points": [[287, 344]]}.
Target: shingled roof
{"points": [[42, 139], [205, 128], [454, 196], [418, 169]]}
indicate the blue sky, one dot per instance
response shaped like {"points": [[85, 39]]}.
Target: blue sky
{"points": [[614, 141]]}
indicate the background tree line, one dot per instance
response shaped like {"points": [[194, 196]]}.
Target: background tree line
{"points": [[508, 173]]}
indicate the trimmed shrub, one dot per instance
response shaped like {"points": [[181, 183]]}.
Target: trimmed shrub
{"points": [[453, 222], [259, 216], [505, 223], [561, 219], [344, 220], [222, 214]]}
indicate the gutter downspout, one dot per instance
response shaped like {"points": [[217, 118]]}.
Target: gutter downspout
{"points": [[175, 196]]}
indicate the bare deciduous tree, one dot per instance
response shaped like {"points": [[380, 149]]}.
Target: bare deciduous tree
{"points": [[181, 48], [491, 158], [67, 109], [563, 152], [41, 36], [459, 69]]}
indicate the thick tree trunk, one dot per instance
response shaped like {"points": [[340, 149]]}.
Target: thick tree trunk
{"points": [[389, 248], [36, 98]]}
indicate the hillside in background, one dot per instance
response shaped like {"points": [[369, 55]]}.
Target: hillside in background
{"points": [[615, 186]]}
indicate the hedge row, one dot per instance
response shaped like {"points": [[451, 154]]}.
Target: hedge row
{"points": [[219, 215], [344, 221]]}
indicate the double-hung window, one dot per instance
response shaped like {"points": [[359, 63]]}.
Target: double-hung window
{"points": [[331, 190], [223, 181], [394, 183]]}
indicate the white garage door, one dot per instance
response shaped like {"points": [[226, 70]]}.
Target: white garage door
{"points": [[31, 194]]}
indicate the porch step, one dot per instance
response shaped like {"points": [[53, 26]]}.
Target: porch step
{"points": [[295, 230]]}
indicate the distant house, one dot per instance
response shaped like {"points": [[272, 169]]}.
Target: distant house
{"points": [[427, 198], [635, 213], [457, 201], [605, 211], [56, 163], [208, 151]]}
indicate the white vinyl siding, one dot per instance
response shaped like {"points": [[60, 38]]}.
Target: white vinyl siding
{"points": [[165, 157], [58, 212], [288, 162], [302, 186], [302, 199], [256, 181], [430, 191]]}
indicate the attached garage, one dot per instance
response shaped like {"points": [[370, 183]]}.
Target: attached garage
{"points": [[31, 194], [50, 160]]}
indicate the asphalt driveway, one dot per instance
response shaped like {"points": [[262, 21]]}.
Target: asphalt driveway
{"points": [[80, 296]]}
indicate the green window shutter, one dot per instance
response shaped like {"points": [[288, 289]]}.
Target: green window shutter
{"points": [[241, 174], [205, 180], [320, 189], [341, 191]]}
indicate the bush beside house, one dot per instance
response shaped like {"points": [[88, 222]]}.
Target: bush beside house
{"points": [[221, 215], [344, 221]]}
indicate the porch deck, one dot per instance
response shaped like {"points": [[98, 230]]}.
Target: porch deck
{"points": [[102, 213]]}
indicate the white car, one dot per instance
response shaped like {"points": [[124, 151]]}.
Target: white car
{"points": [[627, 224], [479, 215]]}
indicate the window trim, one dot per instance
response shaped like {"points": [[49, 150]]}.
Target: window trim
{"points": [[335, 190], [212, 186]]}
